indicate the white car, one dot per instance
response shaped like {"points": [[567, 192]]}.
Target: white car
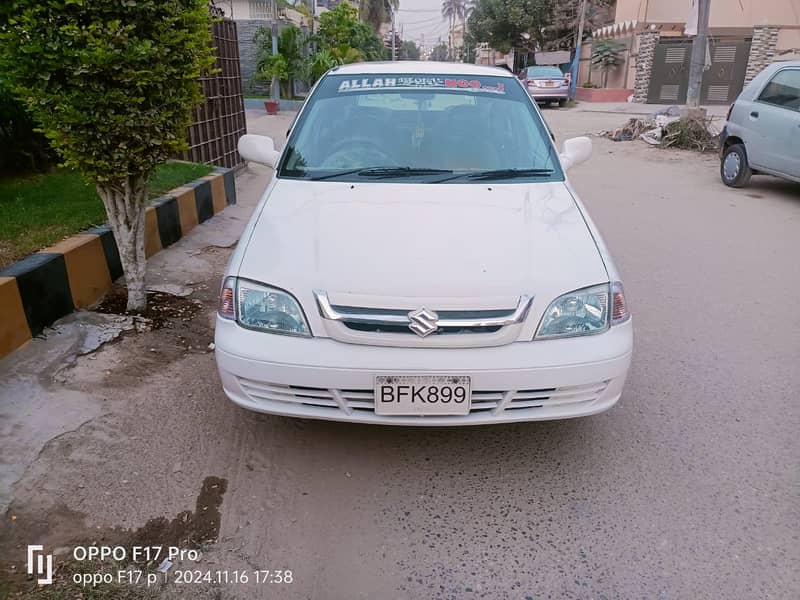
{"points": [[419, 258]]}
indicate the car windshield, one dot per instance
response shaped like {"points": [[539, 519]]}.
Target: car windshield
{"points": [[534, 72], [420, 128]]}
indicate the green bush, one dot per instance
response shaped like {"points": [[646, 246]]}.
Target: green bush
{"points": [[291, 44]]}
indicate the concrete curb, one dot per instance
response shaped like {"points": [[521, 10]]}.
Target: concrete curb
{"points": [[78, 271]]}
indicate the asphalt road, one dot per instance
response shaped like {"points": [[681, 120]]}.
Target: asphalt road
{"points": [[688, 488]]}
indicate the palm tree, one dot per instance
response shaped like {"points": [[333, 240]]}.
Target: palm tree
{"points": [[453, 10]]}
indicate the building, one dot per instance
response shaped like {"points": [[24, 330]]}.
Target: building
{"points": [[745, 36]]}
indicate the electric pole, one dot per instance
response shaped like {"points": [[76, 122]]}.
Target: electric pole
{"points": [[276, 90], [578, 49], [699, 49], [394, 57]]}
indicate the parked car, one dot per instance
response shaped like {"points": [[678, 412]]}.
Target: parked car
{"points": [[547, 84], [762, 132], [420, 258]]}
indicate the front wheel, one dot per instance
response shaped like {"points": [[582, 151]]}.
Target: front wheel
{"points": [[734, 168]]}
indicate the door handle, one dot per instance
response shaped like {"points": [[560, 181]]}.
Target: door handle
{"points": [[754, 114]]}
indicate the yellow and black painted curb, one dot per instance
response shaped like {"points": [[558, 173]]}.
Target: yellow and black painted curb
{"points": [[79, 270]]}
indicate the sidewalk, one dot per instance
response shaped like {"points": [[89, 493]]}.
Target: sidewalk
{"points": [[34, 400]]}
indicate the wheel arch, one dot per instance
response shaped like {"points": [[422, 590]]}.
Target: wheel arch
{"points": [[733, 139]]}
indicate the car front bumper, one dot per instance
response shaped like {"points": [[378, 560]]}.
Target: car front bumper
{"points": [[320, 378]]}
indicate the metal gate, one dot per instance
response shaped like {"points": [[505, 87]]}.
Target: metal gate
{"points": [[725, 79], [669, 80], [219, 122], [722, 82]]}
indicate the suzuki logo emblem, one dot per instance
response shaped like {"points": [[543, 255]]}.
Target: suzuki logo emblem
{"points": [[423, 321]]}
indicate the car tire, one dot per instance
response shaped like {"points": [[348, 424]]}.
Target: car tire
{"points": [[734, 169], [562, 103]]}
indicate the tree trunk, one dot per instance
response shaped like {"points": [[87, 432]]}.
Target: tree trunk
{"points": [[125, 206]]}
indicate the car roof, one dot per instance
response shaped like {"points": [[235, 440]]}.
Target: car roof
{"points": [[777, 62], [757, 83], [420, 66]]}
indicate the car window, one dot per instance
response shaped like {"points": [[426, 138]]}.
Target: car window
{"points": [[783, 90], [445, 123], [534, 72]]}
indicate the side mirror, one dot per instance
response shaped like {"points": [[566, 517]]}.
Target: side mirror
{"points": [[576, 150], [259, 149]]}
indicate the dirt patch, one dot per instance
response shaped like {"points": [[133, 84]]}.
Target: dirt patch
{"points": [[189, 529], [162, 309]]}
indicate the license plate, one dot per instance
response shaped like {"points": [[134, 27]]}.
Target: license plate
{"points": [[422, 395], [550, 84]]}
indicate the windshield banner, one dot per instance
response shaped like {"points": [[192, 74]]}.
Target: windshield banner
{"points": [[428, 83]]}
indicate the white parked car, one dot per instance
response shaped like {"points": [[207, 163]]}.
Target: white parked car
{"points": [[762, 133], [419, 258]]}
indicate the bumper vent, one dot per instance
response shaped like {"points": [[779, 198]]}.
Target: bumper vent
{"points": [[364, 399]]}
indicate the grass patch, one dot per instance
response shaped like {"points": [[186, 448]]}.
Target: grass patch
{"points": [[36, 212]]}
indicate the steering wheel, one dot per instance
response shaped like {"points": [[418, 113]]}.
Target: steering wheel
{"points": [[350, 151]]}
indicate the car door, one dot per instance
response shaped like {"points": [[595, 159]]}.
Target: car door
{"points": [[775, 119]]}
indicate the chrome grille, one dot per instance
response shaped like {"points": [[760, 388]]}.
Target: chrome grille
{"points": [[364, 399], [440, 322]]}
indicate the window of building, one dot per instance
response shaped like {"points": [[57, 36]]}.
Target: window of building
{"points": [[263, 9]]}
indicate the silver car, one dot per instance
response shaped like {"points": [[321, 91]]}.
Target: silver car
{"points": [[547, 84], [762, 134]]}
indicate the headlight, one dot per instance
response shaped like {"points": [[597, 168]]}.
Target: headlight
{"points": [[263, 308], [582, 312]]}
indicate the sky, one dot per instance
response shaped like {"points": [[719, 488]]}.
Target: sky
{"points": [[422, 18]]}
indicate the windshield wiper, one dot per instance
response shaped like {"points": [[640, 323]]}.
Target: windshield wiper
{"points": [[400, 171], [379, 172], [510, 173], [336, 174]]}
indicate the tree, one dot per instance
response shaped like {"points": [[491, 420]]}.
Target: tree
{"points": [[439, 52], [605, 56], [502, 22], [409, 50], [274, 70], [346, 54], [377, 12], [342, 26], [291, 42], [453, 10], [111, 84], [319, 64], [551, 24], [562, 32]]}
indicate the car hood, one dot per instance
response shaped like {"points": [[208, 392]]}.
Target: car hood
{"points": [[420, 241]]}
